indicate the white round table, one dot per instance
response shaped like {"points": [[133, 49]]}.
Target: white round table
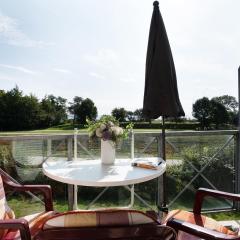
{"points": [[93, 173]]}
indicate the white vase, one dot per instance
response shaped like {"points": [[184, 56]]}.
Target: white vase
{"points": [[107, 152]]}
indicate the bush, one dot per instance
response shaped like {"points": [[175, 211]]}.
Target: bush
{"points": [[219, 170], [6, 159]]}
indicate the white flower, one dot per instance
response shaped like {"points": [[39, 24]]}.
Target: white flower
{"points": [[120, 131], [110, 124], [98, 132], [117, 130], [91, 134], [102, 126]]}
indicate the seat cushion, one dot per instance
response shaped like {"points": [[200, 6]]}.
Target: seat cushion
{"points": [[98, 218], [35, 222], [199, 220]]}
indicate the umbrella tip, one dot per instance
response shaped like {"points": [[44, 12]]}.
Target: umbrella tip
{"points": [[155, 3]]}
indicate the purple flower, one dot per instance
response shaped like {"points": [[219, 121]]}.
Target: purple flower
{"points": [[106, 135]]}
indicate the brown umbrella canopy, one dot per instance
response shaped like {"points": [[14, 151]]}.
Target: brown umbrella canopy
{"points": [[161, 93]]}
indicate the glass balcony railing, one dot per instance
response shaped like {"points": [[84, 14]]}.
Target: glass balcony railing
{"points": [[194, 159]]}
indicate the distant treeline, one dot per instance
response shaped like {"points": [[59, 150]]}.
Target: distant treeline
{"points": [[24, 112], [27, 112]]}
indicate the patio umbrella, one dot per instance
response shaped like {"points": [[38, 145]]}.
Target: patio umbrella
{"points": [[161, 93]]}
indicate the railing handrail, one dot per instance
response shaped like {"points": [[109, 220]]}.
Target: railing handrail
{"points": [[155, 132]]}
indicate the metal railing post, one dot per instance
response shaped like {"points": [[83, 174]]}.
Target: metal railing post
{"points": [[132, 157], [237, 169], [13, 148], [70, 187], [237, 149], [75, 187], [75, 143], [132, 144], [49, 147]]}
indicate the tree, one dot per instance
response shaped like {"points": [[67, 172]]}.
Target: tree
{"points": [[231, 106], [138, 115], [18, 111], [229, 102], [219, 114], [120, 114], [130, 116], [53, 110], [202, 111], [83, 109], [210, 111], [30, 112], [73, 109], [2, 110]]}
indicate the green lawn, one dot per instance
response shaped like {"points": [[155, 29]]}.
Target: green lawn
{"points": [[26, 207]]}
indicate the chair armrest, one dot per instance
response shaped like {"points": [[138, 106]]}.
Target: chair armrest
{"points": [[199, 231], [45, 190], [203, 192], [18, 224]]}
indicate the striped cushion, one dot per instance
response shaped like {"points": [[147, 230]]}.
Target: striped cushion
{"points": [[5, 210], [199, 220], [98, 218], [35, 222]]}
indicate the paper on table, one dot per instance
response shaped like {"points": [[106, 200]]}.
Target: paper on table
{"points": [[150, 163]]}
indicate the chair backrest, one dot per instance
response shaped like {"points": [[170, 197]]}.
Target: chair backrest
{"points": [[137, 232], [104, 224]]}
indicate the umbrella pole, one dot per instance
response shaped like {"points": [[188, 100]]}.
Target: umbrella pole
{"points": [[162, 180], [163, 139]]}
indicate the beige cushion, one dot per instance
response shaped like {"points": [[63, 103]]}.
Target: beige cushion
{"points": [[98, 218]]}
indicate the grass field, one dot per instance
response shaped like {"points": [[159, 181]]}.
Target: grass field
{"points": [[22, 208]]}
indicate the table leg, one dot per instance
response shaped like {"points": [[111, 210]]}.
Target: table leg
{"points": [[138, 197], [132, 196], [96, 198], [75, 203]]}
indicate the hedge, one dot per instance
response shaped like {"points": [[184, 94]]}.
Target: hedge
{"points": [[146, 125]]}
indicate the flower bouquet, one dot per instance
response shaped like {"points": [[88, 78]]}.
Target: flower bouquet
{"points": [[108, 130]]}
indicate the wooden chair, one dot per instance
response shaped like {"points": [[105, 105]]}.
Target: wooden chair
{"points": [[87, 225], [27, 227], [193, 225]]}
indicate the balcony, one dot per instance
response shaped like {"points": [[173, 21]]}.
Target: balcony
{"points": [[194, 159]]}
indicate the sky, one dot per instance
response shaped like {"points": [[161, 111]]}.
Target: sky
{"points": [[97, 49]]}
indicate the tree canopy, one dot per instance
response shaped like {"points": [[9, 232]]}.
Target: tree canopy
{"points": [[53, 110], [83, 109], [18, 111], [25, 112], [202, 111], [229, 102], [120, 114], [218, 111]]}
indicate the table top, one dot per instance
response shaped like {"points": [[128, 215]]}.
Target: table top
{"points": [[94, 173]]}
